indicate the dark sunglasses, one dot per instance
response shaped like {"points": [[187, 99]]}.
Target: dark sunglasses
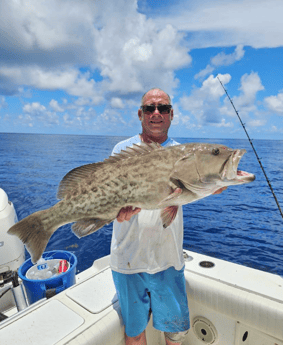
{"points": [[162, 108]]}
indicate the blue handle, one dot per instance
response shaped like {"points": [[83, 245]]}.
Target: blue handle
{"points": [[62, 287]]}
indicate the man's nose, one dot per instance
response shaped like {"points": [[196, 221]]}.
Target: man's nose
{"points": [[156, 112]]}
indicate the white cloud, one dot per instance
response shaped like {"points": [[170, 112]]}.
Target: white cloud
{"points": [[3, 103], [147, 58], [246, 102], [203, 103], [109, 120], [43, 39], [223, 123], [250, 86], [116, 102], [40, 28], [71, 80], [37, 113], [55, 106], [256, 123], [220, 23], [275, 103], [222, 59], [34, 108]]}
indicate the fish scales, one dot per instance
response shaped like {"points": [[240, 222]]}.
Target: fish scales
{"points": [[147, 176]]}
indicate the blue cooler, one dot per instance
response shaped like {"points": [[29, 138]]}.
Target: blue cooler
{"points": [[37, 289]]}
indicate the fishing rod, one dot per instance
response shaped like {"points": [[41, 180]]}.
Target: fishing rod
{"points": [[267, 179]]}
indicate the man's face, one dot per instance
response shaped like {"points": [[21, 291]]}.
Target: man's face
{"points": [[154, 123]]}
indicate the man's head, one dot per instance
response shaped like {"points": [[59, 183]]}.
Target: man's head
{"points": [[155, 120]]}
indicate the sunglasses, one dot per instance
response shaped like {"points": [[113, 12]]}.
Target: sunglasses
{"points": [[162, 108]]}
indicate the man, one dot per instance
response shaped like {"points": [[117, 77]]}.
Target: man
{"points": [[147, 260]]}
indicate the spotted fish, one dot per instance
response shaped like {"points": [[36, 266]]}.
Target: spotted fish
{"points": [[147, 176]]}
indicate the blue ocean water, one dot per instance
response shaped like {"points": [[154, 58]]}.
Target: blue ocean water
{"points": [[241, 225]]}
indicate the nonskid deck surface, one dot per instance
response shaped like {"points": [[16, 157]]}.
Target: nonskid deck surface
{"points": [[229, 304]]}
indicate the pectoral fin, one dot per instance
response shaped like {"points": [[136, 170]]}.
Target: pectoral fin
{"points": [[174, 195], [86, 227], [168, 214]]}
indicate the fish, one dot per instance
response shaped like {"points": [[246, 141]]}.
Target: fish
{"points": [[147, 176]]}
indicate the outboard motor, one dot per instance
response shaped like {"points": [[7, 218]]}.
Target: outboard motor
{"points": [[12, 256]]}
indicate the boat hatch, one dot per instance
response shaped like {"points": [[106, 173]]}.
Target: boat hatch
{"points": [[45, 325], [95, 294]]}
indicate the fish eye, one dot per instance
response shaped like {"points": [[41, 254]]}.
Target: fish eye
{"points": [[215, 151]]}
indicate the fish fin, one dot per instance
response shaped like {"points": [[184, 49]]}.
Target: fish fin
{"points": [[168, 214], [74, 177], [133, 151], [33, 233], [174, 195], [86, 227]]}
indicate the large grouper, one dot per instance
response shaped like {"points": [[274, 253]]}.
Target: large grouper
{"points": [[147, 176]]}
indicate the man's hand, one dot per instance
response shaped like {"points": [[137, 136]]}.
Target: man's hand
{"points": [[220, 190], [126, 213]]}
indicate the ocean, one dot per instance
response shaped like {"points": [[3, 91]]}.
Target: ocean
{"points": [[241, 225]]}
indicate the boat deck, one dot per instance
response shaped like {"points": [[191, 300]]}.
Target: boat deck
{"points": [[229, 305]]}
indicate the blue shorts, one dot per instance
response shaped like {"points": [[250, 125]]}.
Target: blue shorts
{"points": [[163, 294]]}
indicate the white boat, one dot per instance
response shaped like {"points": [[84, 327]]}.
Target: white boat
{"points": [[229, 304]]}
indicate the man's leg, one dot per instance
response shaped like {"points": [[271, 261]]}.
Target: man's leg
{"points": [[139, 340]]}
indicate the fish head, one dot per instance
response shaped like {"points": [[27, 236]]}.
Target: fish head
{"points": [[205, 168]]}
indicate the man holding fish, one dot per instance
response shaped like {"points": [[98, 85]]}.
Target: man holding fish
{"points": [[146, 259], [142, 189]]}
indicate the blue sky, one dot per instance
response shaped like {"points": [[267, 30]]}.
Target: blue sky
{"points": [[81, 67]]}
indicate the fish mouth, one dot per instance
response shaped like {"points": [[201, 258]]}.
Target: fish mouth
{"points": [[230, 171]]}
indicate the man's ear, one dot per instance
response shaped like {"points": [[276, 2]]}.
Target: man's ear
{"points": [[140, 114], [172, 114]]}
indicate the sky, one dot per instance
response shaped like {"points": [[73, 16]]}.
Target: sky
{"points": [[82, 66]]}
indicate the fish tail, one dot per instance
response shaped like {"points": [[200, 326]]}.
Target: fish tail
{"points": [[34, 231]]}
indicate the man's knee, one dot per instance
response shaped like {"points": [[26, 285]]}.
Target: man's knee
{"points": [[176, 337], [138, 339]]}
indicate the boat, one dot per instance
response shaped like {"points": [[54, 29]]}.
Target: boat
{"points": [[229, 304]]}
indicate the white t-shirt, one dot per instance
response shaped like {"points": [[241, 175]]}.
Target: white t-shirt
{"points": [[142, 244]]}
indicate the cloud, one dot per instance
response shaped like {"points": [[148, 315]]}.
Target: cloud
{"points": [[246, 103], [3, 103], [52, 32], [223, 123], [35, 113], [48, 44], [222, 59], [117, 103], [66, 115], [72, 81], [147, 57], [55, 106], [228, 23], [203, 103], [256, 123], [250, 86], [206, 106], [275, 103], [34, 108]]}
